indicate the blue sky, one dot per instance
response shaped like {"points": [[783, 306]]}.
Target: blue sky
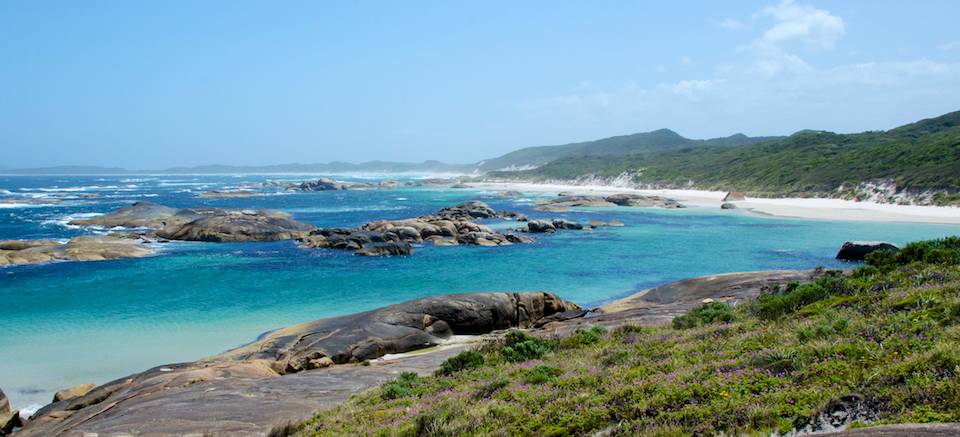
{"points": [[157, 84]]}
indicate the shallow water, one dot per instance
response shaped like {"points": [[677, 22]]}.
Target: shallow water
{"points": [[67, 323]]}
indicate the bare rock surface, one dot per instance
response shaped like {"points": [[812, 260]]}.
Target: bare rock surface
{"points": [[287, 375], [73, 392], [622, 199], [204, 224], [83, 248]]}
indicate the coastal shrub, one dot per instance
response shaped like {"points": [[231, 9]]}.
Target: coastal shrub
{"points": [[524, 350], [940, 251], [540, 374], [707, 313], [489, 389], [462, 361], [583, 337], [400, 387], [795, 296]]}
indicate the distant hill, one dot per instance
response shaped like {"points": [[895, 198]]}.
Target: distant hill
{"points": [[640, 143], [919, 156], [332, 167]]}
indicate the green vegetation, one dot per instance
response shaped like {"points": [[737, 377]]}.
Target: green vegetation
{"points": [[885, 337], [916, 157], [636, 144]]}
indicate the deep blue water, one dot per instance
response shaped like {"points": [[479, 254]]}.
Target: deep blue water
{"points": [[68, 323]]}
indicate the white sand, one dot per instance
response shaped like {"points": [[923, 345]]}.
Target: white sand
{"points": [[825, 209]]}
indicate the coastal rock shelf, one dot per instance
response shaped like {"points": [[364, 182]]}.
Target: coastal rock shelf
{"points": [[291, 372], [84, 248], [614, 200]]}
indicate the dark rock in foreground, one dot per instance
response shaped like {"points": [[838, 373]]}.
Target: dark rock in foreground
{"points": [[728, 205], [858, 250], [9, 419], [288, 374]]}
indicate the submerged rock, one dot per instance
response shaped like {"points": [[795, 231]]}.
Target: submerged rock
{"points": [[858, 250]]}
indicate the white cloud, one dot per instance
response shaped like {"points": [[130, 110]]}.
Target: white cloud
{"points": [[731, 24], [686, 60], [814, 27], [770, 90], [952, 45]]}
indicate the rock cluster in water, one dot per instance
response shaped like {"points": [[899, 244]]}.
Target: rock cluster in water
{"points": [[450, 226]]}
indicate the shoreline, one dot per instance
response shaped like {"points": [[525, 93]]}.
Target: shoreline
{"points": [[802, 208]]}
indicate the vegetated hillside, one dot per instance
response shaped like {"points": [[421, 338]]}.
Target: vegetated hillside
{"points": [[639, 143], [878, 345], [921, 156]]}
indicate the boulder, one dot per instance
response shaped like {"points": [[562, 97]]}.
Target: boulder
{"points": [[470, 209], [460, 186], [83, 248], [600, 223], [580, 201], [566, 224], [217, 225], [858, 250], [734, 196], [727, 205], [399, 328], [73, 392], [400, 248], [540, 227], [509, 194], [9, 418], [138, 215], [518, 216]]}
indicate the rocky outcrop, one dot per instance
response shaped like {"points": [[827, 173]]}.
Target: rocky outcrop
{"points": [[450, 226], [322, 184], [84, 248], [638, 200], [73, 392], [9, 418], [858, 250], [204, 224], [540, 227], [291, 372], [220, 225], [138, 215], [728, 205], [622, 199], [392, 248]]}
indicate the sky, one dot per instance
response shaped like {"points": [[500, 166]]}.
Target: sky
{"points": [[160, 84]]}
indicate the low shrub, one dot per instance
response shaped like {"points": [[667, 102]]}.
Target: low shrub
{"points": [[708, 313], [462, 361]]}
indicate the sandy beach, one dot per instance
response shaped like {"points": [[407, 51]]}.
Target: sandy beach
{"points": [[806, 208]]}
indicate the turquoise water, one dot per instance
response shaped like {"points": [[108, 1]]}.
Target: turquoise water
{"points": [[68, 323]]}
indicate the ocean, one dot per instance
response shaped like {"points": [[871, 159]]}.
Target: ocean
{"points": [[67, 323]]}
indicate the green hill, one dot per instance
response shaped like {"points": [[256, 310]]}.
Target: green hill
{"points": [[920, 156], [640, 143]]}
